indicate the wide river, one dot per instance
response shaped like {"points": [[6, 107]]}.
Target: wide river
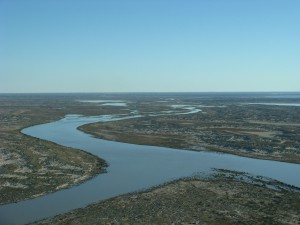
{"points": [[131, 168]]}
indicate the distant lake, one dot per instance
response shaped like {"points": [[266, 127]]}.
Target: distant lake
{"points": [[285, 96], [107, 102], [275, 104], [115, 104], [101, 101]]}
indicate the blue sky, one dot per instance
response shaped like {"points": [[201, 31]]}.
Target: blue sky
{"points": [[153, 45]]}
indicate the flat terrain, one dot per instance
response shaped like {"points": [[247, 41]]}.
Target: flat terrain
{"points": [[227, 125], [222, 200], [30, 167]]}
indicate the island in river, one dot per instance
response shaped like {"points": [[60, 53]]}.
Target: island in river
{"points": [[230, 124], [223, 123]]}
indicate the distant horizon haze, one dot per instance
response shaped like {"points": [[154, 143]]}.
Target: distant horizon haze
{"points": [[171, 92]]}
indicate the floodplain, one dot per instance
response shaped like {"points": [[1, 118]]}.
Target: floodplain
{"points": [[228, 123]]}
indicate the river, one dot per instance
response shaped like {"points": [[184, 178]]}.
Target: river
{"points": [[131, 168]]}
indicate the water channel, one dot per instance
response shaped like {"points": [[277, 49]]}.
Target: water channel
{"points": [[131, 168]]}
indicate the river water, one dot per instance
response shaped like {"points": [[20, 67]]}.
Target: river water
{"points": [[131, 168]]}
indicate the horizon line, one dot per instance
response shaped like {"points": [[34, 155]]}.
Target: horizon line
{"points": [[145, 92]]}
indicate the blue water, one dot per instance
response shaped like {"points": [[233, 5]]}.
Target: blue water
{"points": [[276, 104], [131, 168]]}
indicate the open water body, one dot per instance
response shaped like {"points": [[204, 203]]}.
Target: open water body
{"points": [[132, 168], [276, 104]]}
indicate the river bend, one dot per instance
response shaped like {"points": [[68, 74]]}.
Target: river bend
{"points": [[131, 168]]}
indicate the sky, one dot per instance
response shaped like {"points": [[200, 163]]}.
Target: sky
{"points": [[149, 45]]}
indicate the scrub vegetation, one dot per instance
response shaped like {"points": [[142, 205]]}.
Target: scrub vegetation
{"points": [[30, 167], [225, 124], [223, 199]]}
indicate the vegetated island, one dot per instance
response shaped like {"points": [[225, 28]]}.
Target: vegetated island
{"points": [[228, 125]]}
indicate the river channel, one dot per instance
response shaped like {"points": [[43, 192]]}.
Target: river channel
{"points": [[131, 168]]}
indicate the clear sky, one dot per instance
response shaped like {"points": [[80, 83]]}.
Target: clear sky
{"points": [[149, 45]]}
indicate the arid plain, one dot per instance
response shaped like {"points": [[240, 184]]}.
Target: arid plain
{"points": [[240, 124]]}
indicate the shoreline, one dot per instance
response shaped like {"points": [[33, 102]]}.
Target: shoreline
{"points": [[188, 183], [32, 167], [86, 129], [101, 169], [202, 199]]}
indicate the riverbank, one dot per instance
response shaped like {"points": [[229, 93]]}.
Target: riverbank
{"points": [[233, 129], [165, 162], [32, 167], [224, 199]]}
